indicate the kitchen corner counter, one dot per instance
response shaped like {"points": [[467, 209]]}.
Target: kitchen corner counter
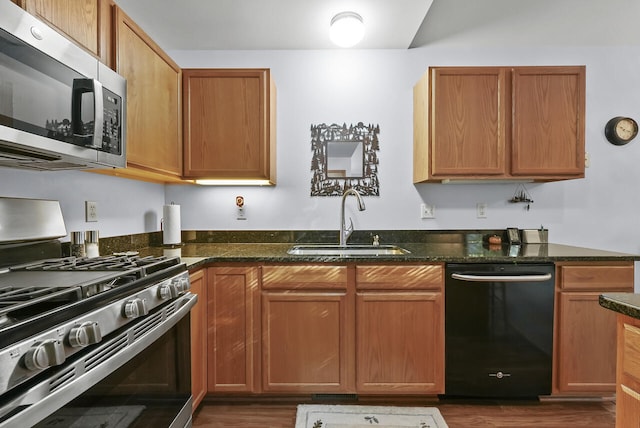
{"points": [[623, 303]]}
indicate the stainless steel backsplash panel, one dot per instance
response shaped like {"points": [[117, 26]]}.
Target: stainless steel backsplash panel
{"points": [[23, 220]]}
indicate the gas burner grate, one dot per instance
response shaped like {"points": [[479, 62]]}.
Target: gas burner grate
{"points": [[108, 263]]}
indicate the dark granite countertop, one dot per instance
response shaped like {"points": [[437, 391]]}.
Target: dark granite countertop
{"points": [[458, 246], [201, 253], [624, 303]]}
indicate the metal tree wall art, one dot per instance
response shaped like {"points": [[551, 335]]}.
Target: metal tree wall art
{"points": [[344, 157]]}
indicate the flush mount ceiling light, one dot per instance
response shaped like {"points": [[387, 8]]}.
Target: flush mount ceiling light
{"points": [[347, 29]]}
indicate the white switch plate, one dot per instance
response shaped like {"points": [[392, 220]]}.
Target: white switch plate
{"points": [[427, 211], [91, 211], [240, 214], [481, 210]]}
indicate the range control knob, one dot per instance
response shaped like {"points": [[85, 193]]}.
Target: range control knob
{"points": [[168, 291], [44, 354], [84, 334], [135, 307], [182, 284]]}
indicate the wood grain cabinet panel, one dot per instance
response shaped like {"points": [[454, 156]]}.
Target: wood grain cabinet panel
{"points": [[154, 112], [399, 343], [233, 335], [584, 356], [297, 277], [86, 22], [587, 344], [628, 372], [468, 122], [229, 124], [306, 344], [78, 19], [404, 277], [548, 121], [399, 329], [198, 282], [499, 123]]}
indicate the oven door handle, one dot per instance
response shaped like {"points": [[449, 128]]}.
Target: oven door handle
{"points": [[501, 278]]}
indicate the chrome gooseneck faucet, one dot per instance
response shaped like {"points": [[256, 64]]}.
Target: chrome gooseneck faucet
{"points": [[345, 231]]}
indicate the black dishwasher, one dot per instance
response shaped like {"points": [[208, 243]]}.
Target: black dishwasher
{"points": [[498, 330]]}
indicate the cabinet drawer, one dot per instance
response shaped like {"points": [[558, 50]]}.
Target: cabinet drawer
{"points": [[599, 277], [411, 277], [304, 277]]}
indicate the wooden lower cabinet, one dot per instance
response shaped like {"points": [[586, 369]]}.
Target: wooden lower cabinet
{"points": [[353, 329], [198, 280], [233, 329], [307, 329], [306, 342], [628, 372], [399, 345], [585, 342], [399, 329]]}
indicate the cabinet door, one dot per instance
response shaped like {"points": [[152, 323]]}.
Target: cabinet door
{"points": [[628, 372], [199, 337], [584, 356], [78, 19], [232, 348], [229, 124], [586, 359], [306, 342], [153, 102], [468, 121], [399, 342], [548, 121]]}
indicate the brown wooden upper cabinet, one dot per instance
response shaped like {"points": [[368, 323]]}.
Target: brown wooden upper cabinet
{"points": [[501, 123], [229, 124], [154, 118], [86, 22]]}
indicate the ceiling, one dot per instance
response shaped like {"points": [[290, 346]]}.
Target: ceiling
{"points": [[391, 24], [272, 24]]}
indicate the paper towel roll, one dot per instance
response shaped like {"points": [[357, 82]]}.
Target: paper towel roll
{"points": [[171, 228]]}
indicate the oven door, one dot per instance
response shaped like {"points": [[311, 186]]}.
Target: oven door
{"points": [[138, 377]]}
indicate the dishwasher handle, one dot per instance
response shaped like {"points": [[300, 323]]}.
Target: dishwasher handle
{"points": [[501, 278]]}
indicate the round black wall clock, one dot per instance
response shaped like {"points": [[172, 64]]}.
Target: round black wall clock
{"points": [[620, 130]]}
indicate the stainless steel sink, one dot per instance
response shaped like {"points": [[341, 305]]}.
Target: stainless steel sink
{"points": [[347, 250]]}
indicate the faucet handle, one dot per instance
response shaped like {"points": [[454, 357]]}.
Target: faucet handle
{"points": [[376, 241]]}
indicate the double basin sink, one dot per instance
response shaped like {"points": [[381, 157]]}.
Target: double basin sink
{"points": [[347, 250]]}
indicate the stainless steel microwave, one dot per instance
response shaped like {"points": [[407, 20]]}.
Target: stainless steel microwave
{"points": [[60, 108]]}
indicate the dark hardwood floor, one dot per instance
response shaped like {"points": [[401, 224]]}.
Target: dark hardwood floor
{"points": [[457, 414]]}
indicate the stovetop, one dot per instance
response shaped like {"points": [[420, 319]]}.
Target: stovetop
{"points": [[105, 263], [46, 292]]}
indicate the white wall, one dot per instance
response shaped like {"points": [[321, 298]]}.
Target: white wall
{"points": [[376, 87], [124, 206], [350, 86]]}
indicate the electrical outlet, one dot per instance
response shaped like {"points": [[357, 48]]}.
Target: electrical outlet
{"points": [[481, 210], [91, 211], [427, 211]]}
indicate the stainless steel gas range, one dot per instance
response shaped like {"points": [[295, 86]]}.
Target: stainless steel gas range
{"points": [[100, 341]]}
